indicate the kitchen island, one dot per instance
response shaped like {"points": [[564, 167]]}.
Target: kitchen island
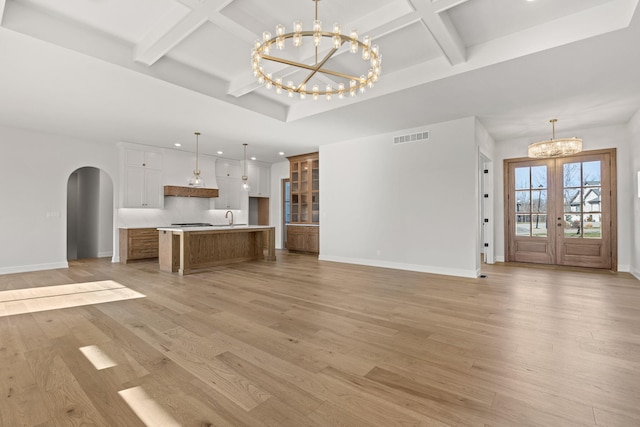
{"points": [[184, 249]]}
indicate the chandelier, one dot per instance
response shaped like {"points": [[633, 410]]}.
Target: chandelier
{"points": [[349, 85], [555, 147], [196, 180]]}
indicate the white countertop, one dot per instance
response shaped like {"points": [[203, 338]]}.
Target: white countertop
{"points": [[216, 227]]}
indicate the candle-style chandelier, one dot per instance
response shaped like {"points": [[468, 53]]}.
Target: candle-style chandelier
{"points": [[349, 84]]}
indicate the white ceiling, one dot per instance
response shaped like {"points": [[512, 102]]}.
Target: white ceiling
{"points": [[155, 71]]}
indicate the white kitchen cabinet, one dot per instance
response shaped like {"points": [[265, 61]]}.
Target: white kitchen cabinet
{"points": [[226, 168], [228, 193], [259, 179], [229, 177], [142, 178]]}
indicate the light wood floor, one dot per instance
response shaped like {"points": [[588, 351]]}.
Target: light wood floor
{"points": [[305, 343]]}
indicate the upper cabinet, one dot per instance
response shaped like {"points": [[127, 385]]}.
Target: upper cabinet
{"points": [[229, 177], [142, 178], [259, 176], [304, 175]]}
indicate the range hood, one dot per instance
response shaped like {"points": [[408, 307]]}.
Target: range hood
{"points": [[179, 191]]}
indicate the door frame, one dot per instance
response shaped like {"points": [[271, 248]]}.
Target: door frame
{"points": [[614, 201]]}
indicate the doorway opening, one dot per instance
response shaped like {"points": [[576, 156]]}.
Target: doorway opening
{"points": [[562, 211], [89, 214]]}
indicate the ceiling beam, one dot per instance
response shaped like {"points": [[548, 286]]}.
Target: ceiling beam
{"points": [[442, 29], [168, 33], [441, 5]]}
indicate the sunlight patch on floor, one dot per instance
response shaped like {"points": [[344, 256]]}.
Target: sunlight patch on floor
{"points": [[99, 359], [31, 300], [147, 409]]}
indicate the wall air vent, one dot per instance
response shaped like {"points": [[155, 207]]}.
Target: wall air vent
{"points": [[414, 137]]}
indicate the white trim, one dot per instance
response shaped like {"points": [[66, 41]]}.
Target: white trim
{"points": [[624, 268], [636, 274], [499, 258], [34, 267], [401, 266], [105, 254], [3, 4]]}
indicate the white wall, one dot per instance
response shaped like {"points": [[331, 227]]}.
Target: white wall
{"points": [[279, 171], [593, 139], [408, 206], [34, 171], [634, 142]]}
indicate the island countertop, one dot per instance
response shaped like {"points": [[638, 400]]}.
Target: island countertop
{"points": [[183, 249], [215, 227]]}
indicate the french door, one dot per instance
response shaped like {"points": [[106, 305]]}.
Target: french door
{"points": [[562, 211]]}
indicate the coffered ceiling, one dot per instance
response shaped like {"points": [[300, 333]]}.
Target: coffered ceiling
{"points": [[153, 71]]}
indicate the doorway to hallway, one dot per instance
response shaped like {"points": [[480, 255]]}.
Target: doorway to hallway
{"points": [[89, 214]]}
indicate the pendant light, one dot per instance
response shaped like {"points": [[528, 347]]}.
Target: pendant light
{"points": [[245, 178], [196, 180]]}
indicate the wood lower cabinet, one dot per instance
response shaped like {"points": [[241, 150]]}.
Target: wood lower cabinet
{"points": [[138, 244], [303, 238]]}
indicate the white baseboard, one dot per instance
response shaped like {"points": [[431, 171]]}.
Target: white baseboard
{"points": [[499, 259], [636, 274], [105, 254], [401, 266], [33, 267], [624, 268]]}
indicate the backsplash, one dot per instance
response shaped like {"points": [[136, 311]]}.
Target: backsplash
{"points": [[178, 210]]}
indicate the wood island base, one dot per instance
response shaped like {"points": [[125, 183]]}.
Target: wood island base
{"points": [[184, 250]]}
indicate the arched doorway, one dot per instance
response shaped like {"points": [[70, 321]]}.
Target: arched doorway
{"points": [[89, 214]]}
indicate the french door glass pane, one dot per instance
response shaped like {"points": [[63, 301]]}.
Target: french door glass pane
{"points": [[523, 178], [572, 199], [539, 225], [573, 226], [523, 201], [539, 201], [592, 224], [539, 177], [571, 174], [523, 225], [591, 173]]}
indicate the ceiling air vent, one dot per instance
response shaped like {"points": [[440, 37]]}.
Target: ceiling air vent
{"points": [[420, 136]]}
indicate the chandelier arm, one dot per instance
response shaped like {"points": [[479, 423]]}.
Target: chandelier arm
{"points": [[318, 65], [309, 67]]}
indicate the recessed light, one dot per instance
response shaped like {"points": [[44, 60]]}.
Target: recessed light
{"points": [[219, 152], [177, 144], [281, 153], [253, 158]]}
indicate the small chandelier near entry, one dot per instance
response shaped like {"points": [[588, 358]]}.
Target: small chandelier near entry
{"points": [[555, 147], [349, 85], [196, 180], [245, 178]]}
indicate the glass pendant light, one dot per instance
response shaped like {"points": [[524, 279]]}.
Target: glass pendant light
{"points": [[196, 180], [245, 178]]}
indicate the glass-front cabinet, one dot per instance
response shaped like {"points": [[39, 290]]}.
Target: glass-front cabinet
{"points": [[305, 189], [303, 231]]}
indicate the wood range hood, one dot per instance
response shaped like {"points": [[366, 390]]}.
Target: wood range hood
{"points": [[179, 191]]}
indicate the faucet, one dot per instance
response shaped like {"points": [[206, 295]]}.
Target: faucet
{"points": [[227, 216]]}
